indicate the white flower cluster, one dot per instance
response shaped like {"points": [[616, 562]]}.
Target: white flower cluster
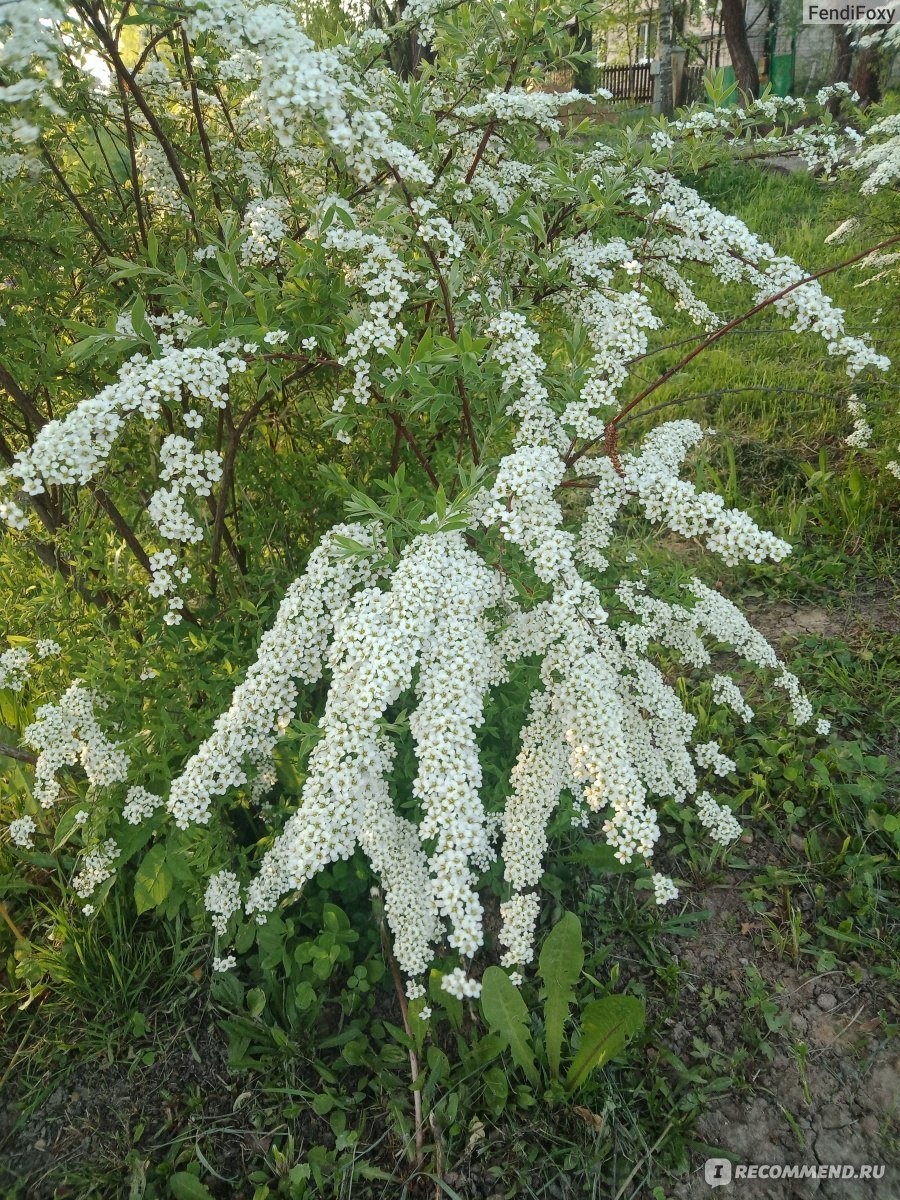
{"points": [[97, 866], [709, 755], [290, 79], [31, 46], [263, 229], [861, 435], [67, 733], [157, 178], [519, 916], [140, 805], [454, 673], [718, 819], [879, 156], [263, 705], [515, 348], [222, 899], [703, 234], [379, 638], [837, 91], [14, 666], [523, 506], [726, 692], [22, 831], [188, 471], [435, 228], [47, 648], [664, 889], [380, 276], [458, 984], [517, 104], [653, 475], [73, 449]]}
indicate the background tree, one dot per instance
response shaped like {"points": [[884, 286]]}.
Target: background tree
{"points": [[734, 23]]}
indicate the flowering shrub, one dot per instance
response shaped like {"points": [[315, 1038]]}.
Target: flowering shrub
{"points": [[295, 282]]}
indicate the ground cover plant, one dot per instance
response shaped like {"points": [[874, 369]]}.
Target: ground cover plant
{"points": [[385, 762]]}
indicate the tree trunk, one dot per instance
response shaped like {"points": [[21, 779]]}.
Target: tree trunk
{"points": [[745, 70], [583, 76], [842, 64], [662, 91], [866, 79]]}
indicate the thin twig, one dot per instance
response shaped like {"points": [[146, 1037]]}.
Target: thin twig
{"points": [[413, 1057]]}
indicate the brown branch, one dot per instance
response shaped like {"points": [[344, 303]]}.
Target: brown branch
{"points": [[413, 1058], [16, 931], [198, 116], [414, 446], [451, 324], [127, 533], [133, 166], [19, 755], [109, 44], [82, 211], [21, 399], [479, 153]]}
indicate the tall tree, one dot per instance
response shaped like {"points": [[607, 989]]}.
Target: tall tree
{"points": [[869, 65], [842, 64], [735, 25], [662, 93]]}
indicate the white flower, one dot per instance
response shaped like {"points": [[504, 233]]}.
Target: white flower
{"points": [[22, 830], [140, 804], [458, 984], [664, 889], [718, 819], [68, 733], [97, 866], [222, 899]]}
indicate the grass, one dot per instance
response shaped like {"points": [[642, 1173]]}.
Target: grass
{"points": [[125, 1074]]}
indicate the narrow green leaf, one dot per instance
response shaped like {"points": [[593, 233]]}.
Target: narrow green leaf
{"points": [[605, 1026], [506, 1014], [66, 826], [560, 964]]}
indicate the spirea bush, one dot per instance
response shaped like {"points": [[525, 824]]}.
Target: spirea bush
{"points": [[319, 468]]}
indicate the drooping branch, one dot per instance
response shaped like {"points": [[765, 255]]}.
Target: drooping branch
{"points": [[574, 456]]}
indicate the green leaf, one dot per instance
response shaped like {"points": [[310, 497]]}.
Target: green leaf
{"points": [[153, 880], [256, 1001], [559, 966], [605, 1026], [66, 825], [506, 1014], [185, 1186]]}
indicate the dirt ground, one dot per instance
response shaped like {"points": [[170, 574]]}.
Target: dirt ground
{"points": [[851, 1111]]}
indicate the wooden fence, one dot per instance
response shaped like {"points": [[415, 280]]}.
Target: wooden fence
{"points": [[628, 84]]}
